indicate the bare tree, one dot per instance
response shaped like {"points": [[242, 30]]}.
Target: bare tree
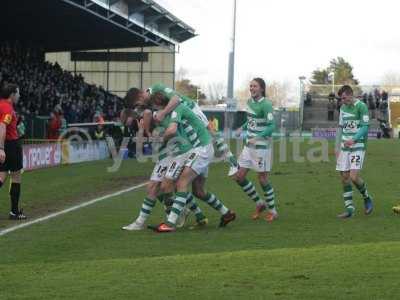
{"points": [[278, 93], [181, 74], [390, 80], [216, 91]]}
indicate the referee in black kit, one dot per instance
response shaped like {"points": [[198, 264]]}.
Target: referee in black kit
{"points": [[11, 159]]}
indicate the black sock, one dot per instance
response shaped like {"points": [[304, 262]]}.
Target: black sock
{"points": [[1, 183], [15, 191]]}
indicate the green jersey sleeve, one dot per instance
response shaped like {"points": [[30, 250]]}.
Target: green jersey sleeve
{"points": [[176, 115], [164, 90], [270, 123], [364, 115], [362, 132]]}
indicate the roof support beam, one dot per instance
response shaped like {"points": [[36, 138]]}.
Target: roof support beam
{"points": [[153, 19], [134, 9], [178, 32], [112, 2], [88, 3], [169, 25], [146, 35]]}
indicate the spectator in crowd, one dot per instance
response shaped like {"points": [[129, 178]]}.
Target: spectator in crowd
{"points": [[213, 123], [308, 100], [331, 108], [385, 96], [98, 118], [377, 96], [338, 104], [331, 96], [21, 128], [99, 133], [383, 108], [54, 126], [365, 98], [63, 123], [371, 105]]}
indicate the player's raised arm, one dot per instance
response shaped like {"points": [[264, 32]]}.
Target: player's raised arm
{"points": [[172, 104], [170, 132], [147, 119], [173, 99]]}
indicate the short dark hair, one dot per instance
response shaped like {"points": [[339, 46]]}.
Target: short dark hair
{"points": [[345, 89], [159, 99], [262, 84], [131, 97], [8, 89]]}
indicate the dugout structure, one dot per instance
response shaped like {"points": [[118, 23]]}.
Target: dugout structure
{"points": [[113, 43]]}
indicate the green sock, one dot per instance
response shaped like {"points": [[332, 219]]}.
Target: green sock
{"points": [[231, 159], [363, 190], [222, 149], [215, 203], [165, 198], [145, 211], [249, 188], [348, 198], [269, 195], [192, 205], [180, 201], [221, 146]]}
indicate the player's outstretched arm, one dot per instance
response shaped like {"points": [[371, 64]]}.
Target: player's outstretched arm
{"points": [[172, 104], [147, 119], [170, 132]]}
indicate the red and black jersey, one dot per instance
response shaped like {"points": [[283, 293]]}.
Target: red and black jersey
{"points": [[9, 118]]}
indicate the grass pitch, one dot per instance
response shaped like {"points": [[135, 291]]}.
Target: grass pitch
{"points": [[307, 254]]}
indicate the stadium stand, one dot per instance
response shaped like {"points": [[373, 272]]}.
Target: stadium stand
{"points": [[316, 107], [30, 29], [46, 88]]}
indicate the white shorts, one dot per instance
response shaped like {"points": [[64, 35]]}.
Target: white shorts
{"points": [[259, 160], [199, 159], [350, 160], [160, 169], [199, 113], [175, 166]]}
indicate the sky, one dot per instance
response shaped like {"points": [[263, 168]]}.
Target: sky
{"points": [[281, 40]]}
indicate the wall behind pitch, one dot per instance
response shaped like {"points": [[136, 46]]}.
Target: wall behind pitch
{"points": [[118, 77]]}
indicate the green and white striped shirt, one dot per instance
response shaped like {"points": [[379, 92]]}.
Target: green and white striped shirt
{"points": [[351, 118], [260, 123]]}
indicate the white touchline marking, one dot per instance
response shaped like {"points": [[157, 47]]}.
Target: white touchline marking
{"points": [[53, 215]]}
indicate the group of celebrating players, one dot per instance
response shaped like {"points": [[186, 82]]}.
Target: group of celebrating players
{"points": [[188, 146]]}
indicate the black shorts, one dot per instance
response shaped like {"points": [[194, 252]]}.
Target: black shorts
{"points": [[14, 158]]}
